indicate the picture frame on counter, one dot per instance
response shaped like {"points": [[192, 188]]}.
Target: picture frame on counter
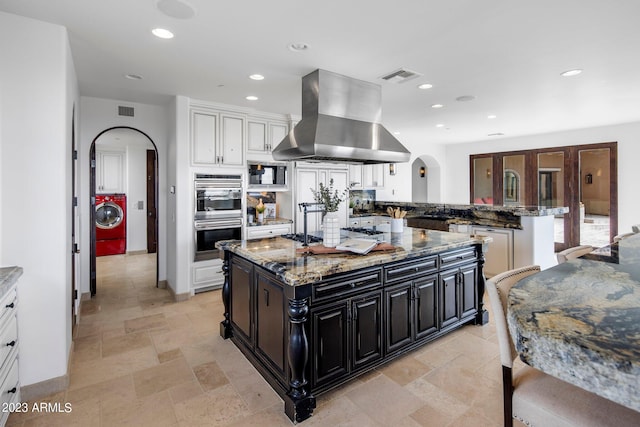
{"points": [[270, 211]]}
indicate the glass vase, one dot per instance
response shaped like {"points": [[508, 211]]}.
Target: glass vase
{"points": [[331, 230]]}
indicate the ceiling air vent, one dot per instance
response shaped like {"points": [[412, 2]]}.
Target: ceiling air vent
{"points": [[125, 111], [400, 76]]}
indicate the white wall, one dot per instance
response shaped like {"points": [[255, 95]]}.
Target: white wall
{"points": [[38, 86], [627, 136], [97, 115]]}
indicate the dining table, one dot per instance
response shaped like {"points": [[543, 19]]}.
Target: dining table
{"points": [[580, 321]]}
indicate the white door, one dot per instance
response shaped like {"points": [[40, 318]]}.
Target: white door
{"points": [[306, 179]]}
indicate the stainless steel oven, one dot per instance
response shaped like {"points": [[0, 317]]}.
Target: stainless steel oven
{"points": [[210, 231], [218, 196]]}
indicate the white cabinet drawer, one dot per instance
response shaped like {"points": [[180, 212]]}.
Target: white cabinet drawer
{"points": [[266, 231], [8, 306], [10, 388], [207, 274], [8, 340]]}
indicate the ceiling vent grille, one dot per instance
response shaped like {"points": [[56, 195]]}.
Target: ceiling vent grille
{"points": [[125, 111], [400, 76]]}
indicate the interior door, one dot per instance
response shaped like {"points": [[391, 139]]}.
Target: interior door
{"points": [[152, 239]]}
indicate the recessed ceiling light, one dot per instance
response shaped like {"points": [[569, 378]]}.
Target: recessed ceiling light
{"points": [[252, 98], [425, 86], [491, 116], [396, 133], [162, 33], [256, 77], [298, 47], [571, 73], [437, 106], [176, 9], [465, 98], [439, 125], [133, 76]]}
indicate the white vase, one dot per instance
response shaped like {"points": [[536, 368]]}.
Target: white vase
{"points": [[397, 225], [331, 230], [261, 217]]}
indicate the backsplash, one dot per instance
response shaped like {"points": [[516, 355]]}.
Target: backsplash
{"points": [[363, 200]]}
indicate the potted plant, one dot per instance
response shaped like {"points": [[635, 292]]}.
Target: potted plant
{"points": [[330, 198], [351, 206]]}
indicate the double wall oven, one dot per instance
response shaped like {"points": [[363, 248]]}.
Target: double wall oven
{"points": [[218, 212]]}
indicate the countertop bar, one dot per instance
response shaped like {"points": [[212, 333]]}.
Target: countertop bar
{"points": [[580, 321], [279, 255]]}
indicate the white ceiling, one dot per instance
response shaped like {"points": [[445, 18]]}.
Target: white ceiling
{"points": [[507, 53]]}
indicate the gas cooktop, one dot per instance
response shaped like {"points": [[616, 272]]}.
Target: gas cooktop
{"points": [[345, 233], [363, 230], [299, 237]]}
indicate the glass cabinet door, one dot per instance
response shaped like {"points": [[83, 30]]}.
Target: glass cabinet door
{"points": [[551, 188], [483, 181], [513, 179]]}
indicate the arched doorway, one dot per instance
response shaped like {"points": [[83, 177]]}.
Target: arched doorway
{"points": [[425, 180], [124, 186]]}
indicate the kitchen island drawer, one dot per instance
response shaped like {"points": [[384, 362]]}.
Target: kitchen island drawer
{"points": [[8, 306], [409, 269], [347, 284], [8, 340], [456, 257]]}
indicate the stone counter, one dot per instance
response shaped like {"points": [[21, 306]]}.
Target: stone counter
{"points": [[8, 276], [279, 255], [580, 321]]}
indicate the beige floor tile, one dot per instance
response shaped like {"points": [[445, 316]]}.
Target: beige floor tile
{"points": [[270, 417], [220, 407], [125, 343], [145, 323], [185, 391], [84, 414], [405, 370], [169, 355], [162, 377], [383, 400], [210, 376], [155, 410]]}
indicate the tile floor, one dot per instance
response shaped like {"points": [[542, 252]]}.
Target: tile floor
{"points": [[142, 360]]}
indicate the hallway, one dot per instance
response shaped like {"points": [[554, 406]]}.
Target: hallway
{"points": [[142, 360]]}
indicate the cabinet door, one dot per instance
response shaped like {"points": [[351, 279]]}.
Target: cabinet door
{"points": [[449, 306], [373, 175], [204, 128], [270, 311], [110, 171], [366, 329], [231, 140], [340, 182], [468, 289], [256, 136], [355, 177], [329, 335], [499, 255], [426, 308], [305, 180], [241, 298], [277, 132], [399, 317]]}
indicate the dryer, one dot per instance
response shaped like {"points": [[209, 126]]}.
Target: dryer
{"points": [[111, 224]]}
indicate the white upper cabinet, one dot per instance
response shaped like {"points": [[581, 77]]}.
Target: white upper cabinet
{"points": [[355, 177], [110, 171], [264, 135], [373, 175], [217, 138]]}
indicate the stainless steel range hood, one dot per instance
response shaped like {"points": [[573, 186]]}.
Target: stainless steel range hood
{"points": [[340, 123]]}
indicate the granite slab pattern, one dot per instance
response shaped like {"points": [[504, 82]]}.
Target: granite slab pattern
{"points": [[580, 322], [8, 276], [279, 255]]}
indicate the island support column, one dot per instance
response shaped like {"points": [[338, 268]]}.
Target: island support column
{"points": [[482, 318], [225, 325], [301, 403]]}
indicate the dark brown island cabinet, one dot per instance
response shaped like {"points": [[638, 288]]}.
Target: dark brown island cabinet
{"points": [[309, 338]]}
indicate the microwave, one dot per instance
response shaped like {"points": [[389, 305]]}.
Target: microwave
{"points": [[268, 176]]}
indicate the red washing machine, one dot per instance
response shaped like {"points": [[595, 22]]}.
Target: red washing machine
{"points": [[111, 224]]}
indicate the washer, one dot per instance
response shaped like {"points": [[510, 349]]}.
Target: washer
{"points": [[111, 224]]}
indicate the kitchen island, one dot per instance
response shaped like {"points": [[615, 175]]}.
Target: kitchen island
{"points": [[310, 322]]}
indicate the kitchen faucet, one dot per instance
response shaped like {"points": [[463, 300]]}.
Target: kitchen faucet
{"points": [[304, 207]]}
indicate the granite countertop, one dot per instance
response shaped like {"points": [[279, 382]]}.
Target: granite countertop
{"points": [[270, 221], [279, 255], [580, 321], [8, 276]]}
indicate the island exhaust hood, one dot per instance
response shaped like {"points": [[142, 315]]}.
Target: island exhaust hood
{"points": [[340, 123]]}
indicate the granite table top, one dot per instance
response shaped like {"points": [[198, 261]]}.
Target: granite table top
{"points": [[580, 321], [8, 276], [279, 255]]}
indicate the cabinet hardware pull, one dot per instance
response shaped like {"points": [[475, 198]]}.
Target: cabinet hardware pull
{"points": [[11, 344], [13, 390], [10, 305], [266, 297]]}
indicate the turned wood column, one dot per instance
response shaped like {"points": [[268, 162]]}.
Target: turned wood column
{"points": [[225, 325], [302, 403], [482, 318]]}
